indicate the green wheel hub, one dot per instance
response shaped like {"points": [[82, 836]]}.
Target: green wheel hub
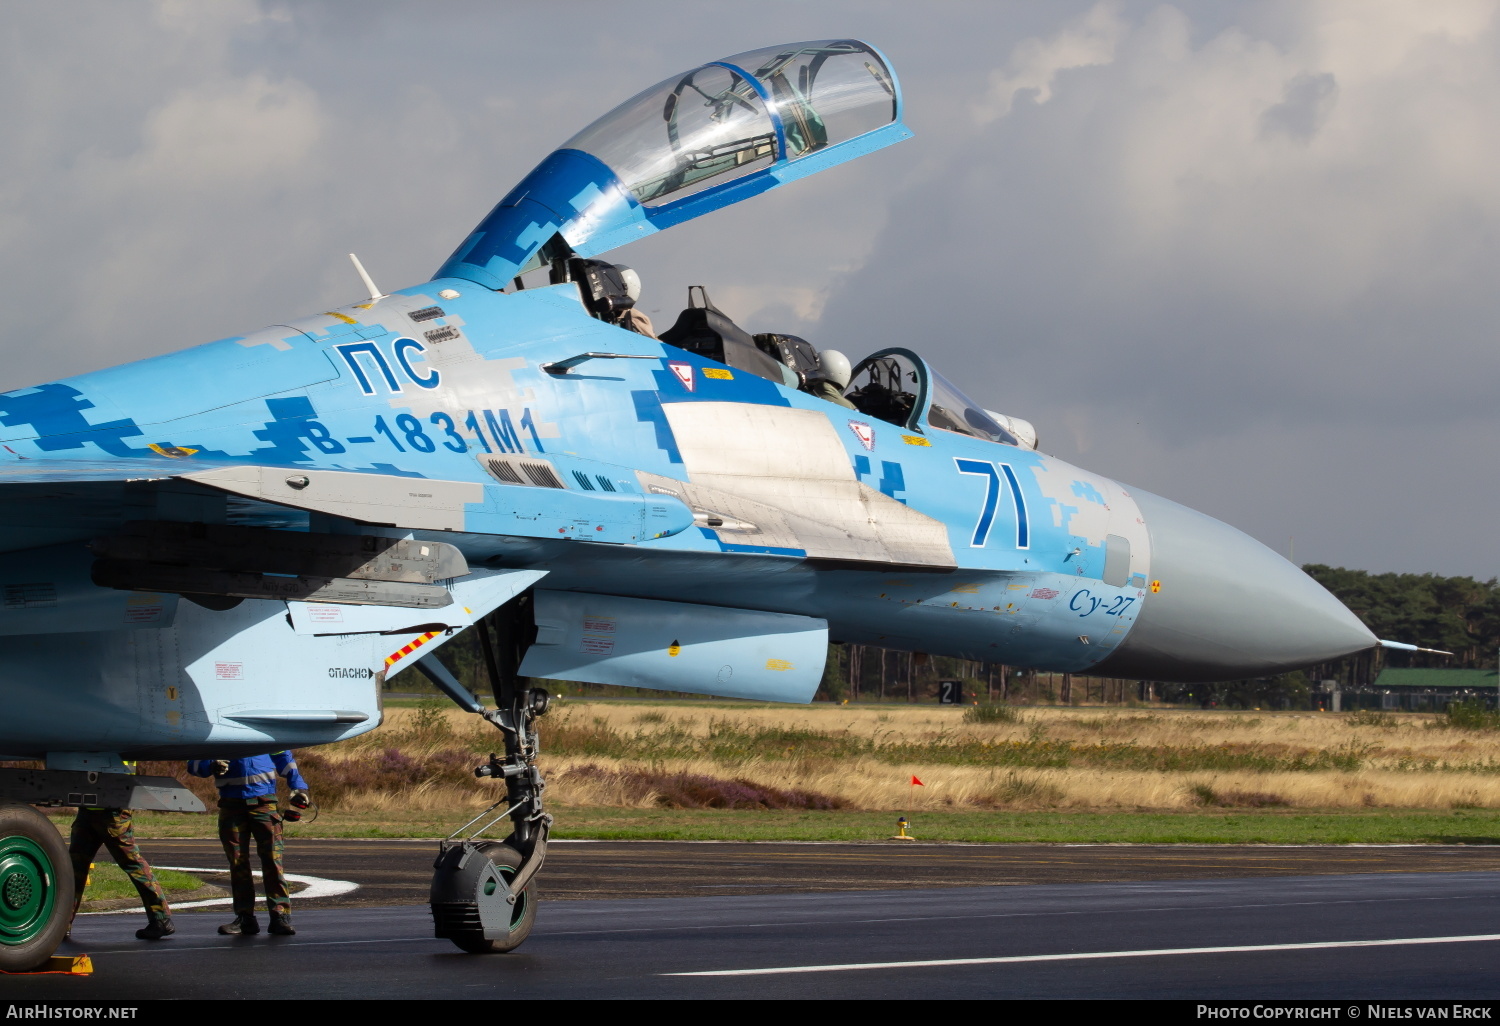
{"points": [[518, 910], [28, 890]]}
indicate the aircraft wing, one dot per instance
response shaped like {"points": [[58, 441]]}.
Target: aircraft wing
{"points": [[46, 501], [29, 471]]}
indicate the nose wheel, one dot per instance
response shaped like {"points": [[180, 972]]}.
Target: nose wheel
{"points": [[483, 898], [479, 908]]}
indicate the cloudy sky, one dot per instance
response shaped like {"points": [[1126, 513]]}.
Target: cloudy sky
{"points": [[1243, 255]]}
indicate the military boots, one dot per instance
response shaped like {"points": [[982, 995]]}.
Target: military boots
{"points": [[243, 926], [156, 930], [281, 924]]}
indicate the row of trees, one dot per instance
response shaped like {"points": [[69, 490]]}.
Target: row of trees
{"points": [[863, 673], [1456, 614]]}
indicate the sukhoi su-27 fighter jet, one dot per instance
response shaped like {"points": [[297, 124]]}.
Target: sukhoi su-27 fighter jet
{"points": [[229, 549]]}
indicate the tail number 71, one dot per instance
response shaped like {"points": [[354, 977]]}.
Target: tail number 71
{"points": [[993, 474]]}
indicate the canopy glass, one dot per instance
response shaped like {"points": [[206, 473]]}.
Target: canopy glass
{"points": [[897, 386], [697, 142], [730, 118]]}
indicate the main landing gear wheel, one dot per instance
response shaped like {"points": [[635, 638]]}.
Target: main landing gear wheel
{"points": [[468, 902], [36, 888]]}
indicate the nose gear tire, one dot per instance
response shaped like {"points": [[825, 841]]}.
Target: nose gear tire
{"points": [[458, 886]]}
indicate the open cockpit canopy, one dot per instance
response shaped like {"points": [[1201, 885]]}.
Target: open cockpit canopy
{"points": [[691, 144], [743, 114]]}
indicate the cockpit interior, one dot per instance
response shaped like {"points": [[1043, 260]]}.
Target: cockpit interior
{"points": [[894, 385]]}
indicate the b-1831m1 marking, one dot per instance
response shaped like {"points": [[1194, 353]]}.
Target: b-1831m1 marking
{"points": [[229, 549]]}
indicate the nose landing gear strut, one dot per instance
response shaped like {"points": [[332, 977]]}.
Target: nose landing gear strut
{"points": [[483, 898]]}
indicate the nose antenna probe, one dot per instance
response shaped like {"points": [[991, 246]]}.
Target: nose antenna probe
{"points": [[364, 276], [1402, 646]]}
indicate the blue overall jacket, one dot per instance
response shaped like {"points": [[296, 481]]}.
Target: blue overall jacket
{"points": [[254, 777]]}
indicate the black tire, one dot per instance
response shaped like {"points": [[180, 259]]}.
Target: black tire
{"points": [[36, 888], [523, 918]]}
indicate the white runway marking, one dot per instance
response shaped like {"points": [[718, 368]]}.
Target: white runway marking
{"points": [[317, 887], [1085, 956]]}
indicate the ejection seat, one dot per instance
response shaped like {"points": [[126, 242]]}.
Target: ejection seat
{"points": [[892, 389], [704, 330], [796, 352]]}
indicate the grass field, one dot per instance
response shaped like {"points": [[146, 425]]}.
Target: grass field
{"points": [[108, 881], [1224, 827], [741, 771]]}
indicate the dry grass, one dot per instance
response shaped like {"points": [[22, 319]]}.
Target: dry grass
{"points": [[645, 755]]}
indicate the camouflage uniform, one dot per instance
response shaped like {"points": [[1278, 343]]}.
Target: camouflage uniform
{"points": [[114, 830], [239, 820], [247, 808]]}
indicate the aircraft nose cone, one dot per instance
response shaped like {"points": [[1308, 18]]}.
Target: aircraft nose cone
{"points": [[1228, 608]]}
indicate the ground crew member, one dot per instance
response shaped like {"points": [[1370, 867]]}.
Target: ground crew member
{"points": [[115, 830], [247, 807], [831, 378]]}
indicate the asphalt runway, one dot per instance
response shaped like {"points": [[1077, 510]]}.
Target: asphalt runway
{"points": [[838, 921], [393, 872]]}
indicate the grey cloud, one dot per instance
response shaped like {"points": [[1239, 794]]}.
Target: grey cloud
{"points": [[1139, 269], [1309, 100]]}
